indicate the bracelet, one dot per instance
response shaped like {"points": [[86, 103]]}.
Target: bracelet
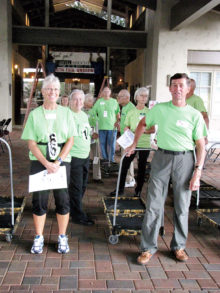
{"points": [[198, 168], [60, 160]]}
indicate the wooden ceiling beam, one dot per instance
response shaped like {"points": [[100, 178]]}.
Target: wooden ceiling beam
{"points": [[187, 11], [78, 37]]}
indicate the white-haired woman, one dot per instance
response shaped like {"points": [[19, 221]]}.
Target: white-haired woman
{"points": [[132, 120], [49, 131], [80, 159]]}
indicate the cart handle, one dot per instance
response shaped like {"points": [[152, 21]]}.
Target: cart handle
{"points": [[118, 180], [11, 181]]}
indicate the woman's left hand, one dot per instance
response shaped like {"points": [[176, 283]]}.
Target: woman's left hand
{"points": [[52, 167]]}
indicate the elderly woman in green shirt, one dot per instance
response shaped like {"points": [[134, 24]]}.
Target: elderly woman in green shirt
{"points": [[80, 159], [49, 131], [132, 120]]}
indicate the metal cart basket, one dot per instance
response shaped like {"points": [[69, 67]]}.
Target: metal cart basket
{"points": [[211, 216], [125, 214], [10, 208]]}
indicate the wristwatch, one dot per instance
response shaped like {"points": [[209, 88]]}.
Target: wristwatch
{"points": [[60, 160], [198, 167]]}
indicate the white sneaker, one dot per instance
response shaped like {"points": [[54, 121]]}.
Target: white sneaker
{"points": [[37, 247], [63, 246], [130, 184]]}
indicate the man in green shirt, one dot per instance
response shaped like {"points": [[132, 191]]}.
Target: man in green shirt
{"points": [[180, 129], [124, 102], [196, 102], [107, 110]]}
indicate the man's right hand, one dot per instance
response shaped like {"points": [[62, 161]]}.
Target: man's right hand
{"points": [[130, 150]]}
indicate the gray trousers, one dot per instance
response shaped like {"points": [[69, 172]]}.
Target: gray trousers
{"points": [[180, 169]]}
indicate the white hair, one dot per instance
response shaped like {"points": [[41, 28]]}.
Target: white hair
{"points": [[51, 78], [140, 91], [89, 97], [76, 91], [125, 92]]}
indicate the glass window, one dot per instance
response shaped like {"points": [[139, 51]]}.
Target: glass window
{"points": [[203, 87]]}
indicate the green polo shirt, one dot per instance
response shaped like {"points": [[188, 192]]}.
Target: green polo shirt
{"points": [[81, 146], [197, 103], [178, 127], [130, 106], [132, 120], [106, 111], [43, 122]]}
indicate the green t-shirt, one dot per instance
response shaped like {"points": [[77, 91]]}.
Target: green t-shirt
{"points": [[106, 111], [124, 112], [43, 122], [178, 127], [197, 103], [81, 145], [132, 120], [91, 116]]}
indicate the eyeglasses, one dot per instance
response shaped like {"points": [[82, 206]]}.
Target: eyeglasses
{"points": [[52, 90]]}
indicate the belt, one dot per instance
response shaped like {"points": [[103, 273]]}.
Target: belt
{"points": [[46, 143], [175, 153]]}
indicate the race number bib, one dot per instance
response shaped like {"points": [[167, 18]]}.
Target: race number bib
{"points": [[53, 149], [86, 131], [105, 114]]}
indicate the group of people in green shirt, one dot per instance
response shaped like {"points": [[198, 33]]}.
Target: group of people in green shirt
{"points": [[60, 136]]}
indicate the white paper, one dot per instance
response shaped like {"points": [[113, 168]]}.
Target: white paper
{"points": [[152, 103], [44, 181], [126, 139], [96, 160]]}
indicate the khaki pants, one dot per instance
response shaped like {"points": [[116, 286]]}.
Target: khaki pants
{"points": [[180, 169]]}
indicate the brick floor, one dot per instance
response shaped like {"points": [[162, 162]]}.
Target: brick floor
{"points": [[93, 264]]}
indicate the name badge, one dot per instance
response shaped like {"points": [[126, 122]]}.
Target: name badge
{"points": [[102, 103], [182, 123], [50, 116], [105, 114], [141, 116]]}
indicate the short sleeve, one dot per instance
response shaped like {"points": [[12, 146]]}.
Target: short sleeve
{"points": [[117, 108], [72, 125], [28, 132], [200, 105], [127, 120], [150, 116], [200, 129]]}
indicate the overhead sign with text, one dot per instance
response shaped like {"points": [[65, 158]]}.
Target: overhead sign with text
{"points": [[75, 62]]}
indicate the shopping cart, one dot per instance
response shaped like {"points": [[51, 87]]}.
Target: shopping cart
{"points": [[10, 208]]}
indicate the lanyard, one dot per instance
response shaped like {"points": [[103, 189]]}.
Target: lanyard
{"points": [[50, 116]]}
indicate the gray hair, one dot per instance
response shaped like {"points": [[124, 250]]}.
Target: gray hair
{"points": [[76, 91], [125, 93], [89, 97], [51, 78], [192, 83], [140, 91]]}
